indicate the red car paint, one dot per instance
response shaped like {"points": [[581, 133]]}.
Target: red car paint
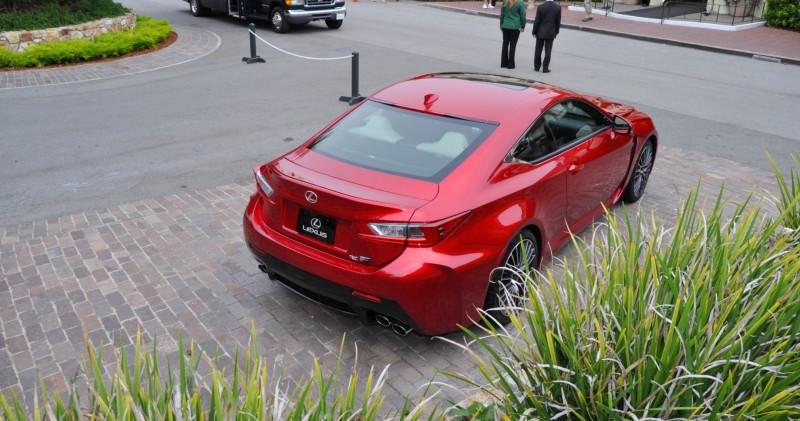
{"points": [[475, 208]]}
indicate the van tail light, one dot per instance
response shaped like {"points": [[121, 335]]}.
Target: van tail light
{"points": [[415, 235]]}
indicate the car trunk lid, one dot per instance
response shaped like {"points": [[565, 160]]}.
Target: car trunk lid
{"points": [[329, 207]]}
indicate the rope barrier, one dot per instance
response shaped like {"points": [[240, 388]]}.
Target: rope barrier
{"points": [[298, 55], [353, 99]]}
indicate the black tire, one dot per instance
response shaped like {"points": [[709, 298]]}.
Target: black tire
{"points": [[507, 285], [334, 24], [198, 9], [641, 173], [278, 20]]}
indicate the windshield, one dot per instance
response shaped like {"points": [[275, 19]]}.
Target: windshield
{"points": [[403, 142]]}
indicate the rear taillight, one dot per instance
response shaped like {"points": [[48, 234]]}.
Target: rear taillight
{"points": [[262, 183], [416, 235]]}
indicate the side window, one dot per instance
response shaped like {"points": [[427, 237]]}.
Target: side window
{"points": [[572, 120], [537, 143]]}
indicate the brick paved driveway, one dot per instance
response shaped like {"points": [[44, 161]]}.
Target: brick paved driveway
{"points": [[178, 263]]}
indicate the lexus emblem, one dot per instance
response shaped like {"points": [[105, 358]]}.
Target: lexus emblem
{"points": [[316, 223], [311, 197]]}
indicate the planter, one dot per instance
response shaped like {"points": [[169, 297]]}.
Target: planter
{"points": [[741, 9], [19, 41]]}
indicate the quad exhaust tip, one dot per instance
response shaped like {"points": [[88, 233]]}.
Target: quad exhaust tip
{"points": [[399, 328]]}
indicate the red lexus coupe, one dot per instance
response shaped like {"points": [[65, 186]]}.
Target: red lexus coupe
{"points": [[399, 211]]}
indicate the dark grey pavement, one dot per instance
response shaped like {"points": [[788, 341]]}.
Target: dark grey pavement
{"points": [[762, 42], [193, 43]]}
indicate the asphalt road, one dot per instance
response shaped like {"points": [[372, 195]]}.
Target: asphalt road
{"points": [[68, 148]]}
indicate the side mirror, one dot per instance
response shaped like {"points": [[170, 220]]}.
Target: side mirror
{"points": [[621, 126]]}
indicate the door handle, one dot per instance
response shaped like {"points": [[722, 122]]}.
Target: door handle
{"points": [[575, 168]]}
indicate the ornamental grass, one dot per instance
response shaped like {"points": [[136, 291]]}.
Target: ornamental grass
{"points": [[141, 389], [789, 190], [697, 321]]}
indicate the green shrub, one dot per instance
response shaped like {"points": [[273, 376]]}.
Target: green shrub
{"points": [[30, 15], [147, 34], [693, 322], [783, 14]]}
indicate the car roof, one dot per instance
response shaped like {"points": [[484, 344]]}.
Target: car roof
{"points": [[479, 96]]}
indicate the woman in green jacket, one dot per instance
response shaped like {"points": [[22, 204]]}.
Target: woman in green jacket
{"points": [[512, 22]]}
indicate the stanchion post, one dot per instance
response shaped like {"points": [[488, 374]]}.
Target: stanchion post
{"points": [[253, 57], [355, 98], [354, 82]]}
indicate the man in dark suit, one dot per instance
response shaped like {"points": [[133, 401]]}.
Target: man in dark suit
{"points": [[545, 29]]}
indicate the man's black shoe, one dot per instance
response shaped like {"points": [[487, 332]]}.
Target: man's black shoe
{"points": [[546, 71], [535, 69]]}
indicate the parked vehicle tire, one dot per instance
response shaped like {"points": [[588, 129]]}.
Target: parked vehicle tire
{"points": [[507, 286], [278, 19], [197, 9], [334, 24], [641, 173]]}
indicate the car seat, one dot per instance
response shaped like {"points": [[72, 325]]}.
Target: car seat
{"points": [[377, 127], [450, 145]]}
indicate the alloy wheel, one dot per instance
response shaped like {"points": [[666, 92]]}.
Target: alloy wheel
{"points": [[512, 277], [642, 171]]}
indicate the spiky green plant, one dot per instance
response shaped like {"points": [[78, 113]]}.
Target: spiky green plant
{"points": [[137, 390], [699, 321], [787, 203]]}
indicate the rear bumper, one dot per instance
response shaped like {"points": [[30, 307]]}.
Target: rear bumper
{"points": [[332, 295], [431, 292], [297, 17]]}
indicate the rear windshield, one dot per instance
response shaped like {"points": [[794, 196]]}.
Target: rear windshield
{"points": [[398, 141]]}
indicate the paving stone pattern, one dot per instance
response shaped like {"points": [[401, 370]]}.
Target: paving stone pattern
{"points": [[178, 264]]}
